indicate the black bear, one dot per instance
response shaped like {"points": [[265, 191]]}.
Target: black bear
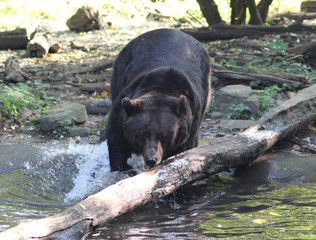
{"points": [[160, 89]]}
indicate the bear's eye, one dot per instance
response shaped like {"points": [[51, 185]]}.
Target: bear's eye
{"points": [[160, 136]]}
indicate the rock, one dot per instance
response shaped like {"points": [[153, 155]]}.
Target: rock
{"points": [[77, 131], [97, 106], [63, 115], [236, 124], [85, 19], [26, 114], [235, 95], [28, 130], [13, 71]]}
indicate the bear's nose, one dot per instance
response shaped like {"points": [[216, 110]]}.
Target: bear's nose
{"points": [[150, 161]]}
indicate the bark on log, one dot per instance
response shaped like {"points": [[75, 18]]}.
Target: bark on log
{"points": [[223, 32], [16, 39], [242, 76], [240, 150], [93, 69]]}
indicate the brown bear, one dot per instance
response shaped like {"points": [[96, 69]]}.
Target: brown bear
{"points": [[160, 89]]}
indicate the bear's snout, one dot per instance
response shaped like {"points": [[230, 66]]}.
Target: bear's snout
{"points": [[150, 162], [153, 153]]}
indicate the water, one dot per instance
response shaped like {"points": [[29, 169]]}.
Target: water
{"points": [[273, 198], [41, 180]]}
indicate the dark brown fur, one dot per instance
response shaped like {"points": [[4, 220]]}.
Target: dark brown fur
{"points": [[160, 90]]}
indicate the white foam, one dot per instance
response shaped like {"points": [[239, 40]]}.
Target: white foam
{"points": [[92, 162]]}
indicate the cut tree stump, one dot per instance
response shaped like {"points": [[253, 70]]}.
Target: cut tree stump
{"points": [[16, 39], [224, 32], [39, 44], [78, 221]]}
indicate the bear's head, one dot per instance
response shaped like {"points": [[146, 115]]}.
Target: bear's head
{"points": [[156, 127]]}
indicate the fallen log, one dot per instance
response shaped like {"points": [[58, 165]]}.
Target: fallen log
{"points": [[308, 6], [93, 69], [76, 222], [297, 15], [307, 50], [16, 39], [240, 75], [224, 32]]}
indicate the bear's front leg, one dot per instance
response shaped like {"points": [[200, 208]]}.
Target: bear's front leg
{"points": [[118, 158]]}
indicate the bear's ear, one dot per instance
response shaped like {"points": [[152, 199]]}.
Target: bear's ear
{"points": [[131, 106], [182, 105]]}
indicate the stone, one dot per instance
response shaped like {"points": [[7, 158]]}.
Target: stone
{"points": [[235, 94], [77, 131], [97, 106], [85, 19], [63, 115], [26, 114], [28, 130]]}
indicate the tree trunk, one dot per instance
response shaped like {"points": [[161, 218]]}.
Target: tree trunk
{"points": [[254, 13], [16, 39], [263, 8], [240, 150], [238, 13], [210, 12]]}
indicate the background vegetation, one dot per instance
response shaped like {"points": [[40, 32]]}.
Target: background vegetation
{"points": [[29, 13]]}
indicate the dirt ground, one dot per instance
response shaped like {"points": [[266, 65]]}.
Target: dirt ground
{"points": [[68, 73]]}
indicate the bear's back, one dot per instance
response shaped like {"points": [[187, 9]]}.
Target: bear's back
{"points": [[161, 48]]}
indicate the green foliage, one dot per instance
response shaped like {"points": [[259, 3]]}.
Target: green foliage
{"points": [[214, 81], [267, 98], [281, 62], [13, 99], [277, 47], [62, 129], [229, 63], [255, 83], [239, 111]]}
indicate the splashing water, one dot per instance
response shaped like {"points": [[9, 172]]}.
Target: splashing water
{"points": [[92, 163], [93, 169]]}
